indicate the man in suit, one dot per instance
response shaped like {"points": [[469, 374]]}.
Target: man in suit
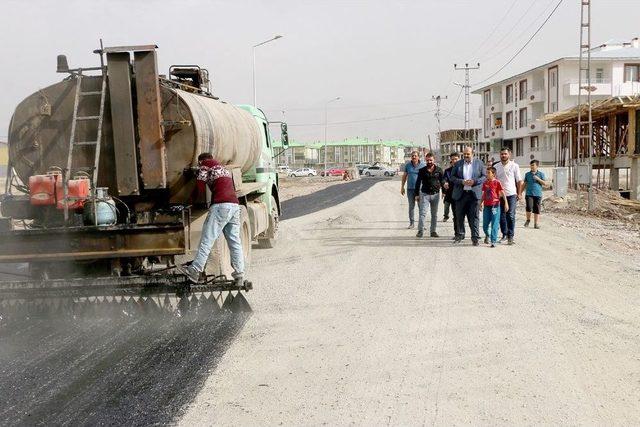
{"points": [[467, 176]]}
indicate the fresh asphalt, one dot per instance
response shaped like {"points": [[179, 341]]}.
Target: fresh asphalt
{"points": [[143, 370], [330, 196]]}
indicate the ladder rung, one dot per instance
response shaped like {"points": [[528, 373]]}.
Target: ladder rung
{"points": [[97, 92], [584, 46], [584, 136], [85, 143], [88, 118]]}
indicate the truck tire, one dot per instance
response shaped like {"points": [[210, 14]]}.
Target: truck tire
{"points": [[270, 242], [367, 174], [386, 174]]}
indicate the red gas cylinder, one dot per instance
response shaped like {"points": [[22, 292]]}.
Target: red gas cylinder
{"points": [[78, 192], [42, 189]]}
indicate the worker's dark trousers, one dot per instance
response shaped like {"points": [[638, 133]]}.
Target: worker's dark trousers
{"points": [[455, 217]]}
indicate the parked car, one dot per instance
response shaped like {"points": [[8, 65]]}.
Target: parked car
{"points": [[284, 169], [361, 167], [379, 171], [304, 172], [333, 172]]}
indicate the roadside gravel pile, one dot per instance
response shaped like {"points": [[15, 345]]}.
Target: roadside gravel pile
{"points": [[608, 205]]}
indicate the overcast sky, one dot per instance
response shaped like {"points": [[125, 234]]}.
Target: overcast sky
{"points": [[383, 58]]}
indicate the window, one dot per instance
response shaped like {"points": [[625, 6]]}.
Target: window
{"points": [[522, 88], [487, 98], [487, 125], [599, 75], [554, 107], [519, 144], [534, 144], [522, 116], [509, 93], [632, 73], [509, 120], [553, 77]]}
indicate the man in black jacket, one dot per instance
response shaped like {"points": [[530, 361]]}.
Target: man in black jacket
{"points": [[448, 193], [430, 180]]}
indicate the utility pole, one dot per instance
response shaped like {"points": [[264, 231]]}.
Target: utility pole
{"points": [[466, 87], [585, 74], [438, 99]]}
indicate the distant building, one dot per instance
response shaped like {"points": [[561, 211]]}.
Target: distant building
{"points": [[4, 159], [454, 140], [512, 108], [347, 152]]}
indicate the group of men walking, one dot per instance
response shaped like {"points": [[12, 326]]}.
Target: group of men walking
{"points": [[466, 187]]}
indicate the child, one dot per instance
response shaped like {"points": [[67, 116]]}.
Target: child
{"points": [[533, 182], [492, 192]]}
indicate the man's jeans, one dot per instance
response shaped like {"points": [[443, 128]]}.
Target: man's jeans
{"points": [[433, 200], [222, 218], [491, 222], [508, 218], [411, 195]]}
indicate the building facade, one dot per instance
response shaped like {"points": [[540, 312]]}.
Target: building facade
{"points": [[512, 109], [454, 141], [345, 153]]}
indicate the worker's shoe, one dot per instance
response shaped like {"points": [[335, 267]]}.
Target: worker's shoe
{"points": [[475, 243], [238, 279], [445, 218], [434, 234], [536, 226], [412, 225], [420, 234], [510, 241], [526, 223], [486, 240], [192, 275]]}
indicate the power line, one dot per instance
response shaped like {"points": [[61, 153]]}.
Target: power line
{"points": [[450, 112], [352, 107], [508, 33], [418, 113], [524, 32], [477, 49], [524, 46]]}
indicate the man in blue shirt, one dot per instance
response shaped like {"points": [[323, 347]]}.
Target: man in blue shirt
{"points": [[409, 178], [533, 182]]}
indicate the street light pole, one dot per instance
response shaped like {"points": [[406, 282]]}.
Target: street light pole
{"points": [[326, 106], [255, 104]]}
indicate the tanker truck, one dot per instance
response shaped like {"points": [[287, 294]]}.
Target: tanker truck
{"points": [[101, 172]]}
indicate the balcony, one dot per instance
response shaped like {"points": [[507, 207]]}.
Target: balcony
{"points": [[627, 89], [537, 126], [601, 87], [534, 95], [495, 108], [496, 133]]}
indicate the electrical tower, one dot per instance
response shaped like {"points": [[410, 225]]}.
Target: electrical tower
{"points": [[438, 99], [466, 88], [585, 139]]}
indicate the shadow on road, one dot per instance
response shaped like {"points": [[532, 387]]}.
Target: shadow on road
{"points": [[326, 198], [108, 372]]}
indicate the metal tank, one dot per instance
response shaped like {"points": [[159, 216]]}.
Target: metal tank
{"points": [[192, 123]]}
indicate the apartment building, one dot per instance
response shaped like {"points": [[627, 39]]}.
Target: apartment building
{"points": [[347, 152], [512, 109]]}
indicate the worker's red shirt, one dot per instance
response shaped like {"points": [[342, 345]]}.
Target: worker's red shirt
{"points": [[219, 180]]}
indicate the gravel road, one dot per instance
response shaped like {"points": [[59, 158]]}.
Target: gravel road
{"points": [[358, 322]]}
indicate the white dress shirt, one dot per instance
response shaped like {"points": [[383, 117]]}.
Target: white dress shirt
{"points": [[467, 173]]}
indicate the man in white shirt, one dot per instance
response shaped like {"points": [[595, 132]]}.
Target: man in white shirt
{"points": [[508, 173]]}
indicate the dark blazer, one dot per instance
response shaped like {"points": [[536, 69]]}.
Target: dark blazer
{"points": [[478, 175]]}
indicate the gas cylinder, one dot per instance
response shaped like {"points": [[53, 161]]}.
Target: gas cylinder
{"points": [[105, 209]]}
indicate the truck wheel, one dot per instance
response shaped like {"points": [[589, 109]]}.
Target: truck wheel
{"points": [[386, 174], [270, 242], [367, 174]]}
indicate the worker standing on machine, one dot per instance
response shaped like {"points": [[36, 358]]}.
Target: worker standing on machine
{"points": [[223, 217]]}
